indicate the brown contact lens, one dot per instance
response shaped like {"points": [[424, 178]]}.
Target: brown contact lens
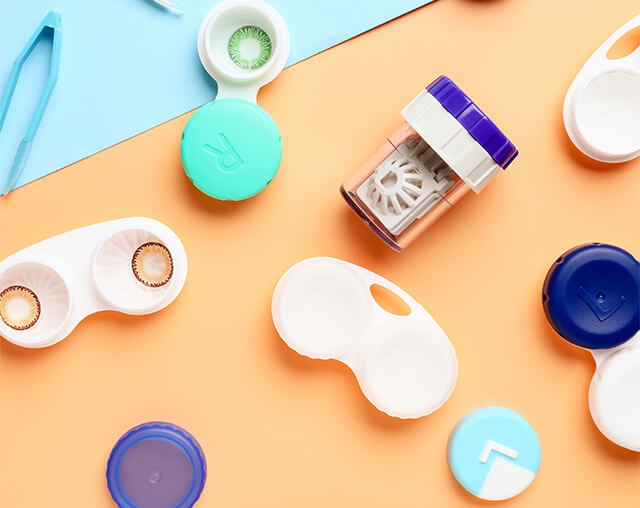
{"points": [[19, 307], [152, 264]]}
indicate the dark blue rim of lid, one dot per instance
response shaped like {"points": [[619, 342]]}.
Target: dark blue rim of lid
{"points": [[157, 430], [591, 296], [477, 124]]}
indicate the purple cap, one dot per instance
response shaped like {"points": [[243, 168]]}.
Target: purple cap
{"points": [[471, 117], [156, 465]]}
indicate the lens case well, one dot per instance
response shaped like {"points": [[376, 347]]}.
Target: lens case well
{"points": [[323, 308], [135, 266], [591, 297], [231, 148], [602, 105]]}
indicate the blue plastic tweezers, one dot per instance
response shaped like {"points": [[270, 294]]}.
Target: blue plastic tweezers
{"points": [[51, 25]]}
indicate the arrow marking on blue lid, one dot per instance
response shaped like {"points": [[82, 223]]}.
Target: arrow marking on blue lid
{"points": [[596, 304], [492, 446], [228, 157]]}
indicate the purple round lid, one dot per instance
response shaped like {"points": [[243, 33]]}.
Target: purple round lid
{"points": [[156, 465], [471, 117]]}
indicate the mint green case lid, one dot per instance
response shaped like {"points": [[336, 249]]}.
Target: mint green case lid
{"points": [[231, 149]]}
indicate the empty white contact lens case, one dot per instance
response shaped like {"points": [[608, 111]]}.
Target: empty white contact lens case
{"points": [[602, 106], [406, 366], [88, 270]]}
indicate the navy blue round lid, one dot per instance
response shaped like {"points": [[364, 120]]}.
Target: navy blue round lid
{"points": [[591, 296], [156, 465]]}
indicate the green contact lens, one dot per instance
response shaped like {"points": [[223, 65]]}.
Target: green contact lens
{"points": [[249, 47]]}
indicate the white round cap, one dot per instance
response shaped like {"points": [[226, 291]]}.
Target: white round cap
{"points": [[320, 308], [614, 397], [407, 369]]}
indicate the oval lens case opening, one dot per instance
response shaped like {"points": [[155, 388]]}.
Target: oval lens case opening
{"points": [[406, 366], [231, 148], [135, 266], [591, 297], [602, 106]]}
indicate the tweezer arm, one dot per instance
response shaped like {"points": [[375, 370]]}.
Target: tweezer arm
{"points": [[11, 85], [52, 23], [48, 87]]}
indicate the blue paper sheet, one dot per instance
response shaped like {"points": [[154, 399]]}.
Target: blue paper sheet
{"points": [[128, 66]]}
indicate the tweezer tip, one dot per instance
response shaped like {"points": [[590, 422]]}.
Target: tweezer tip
{"points": [[53, 19]]}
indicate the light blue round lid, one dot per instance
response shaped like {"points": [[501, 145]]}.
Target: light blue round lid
{"points": [[494, 453], [231, 149]]}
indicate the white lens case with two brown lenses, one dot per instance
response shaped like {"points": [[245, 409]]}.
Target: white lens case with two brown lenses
{"points": [[406, 366], [135, 266]]}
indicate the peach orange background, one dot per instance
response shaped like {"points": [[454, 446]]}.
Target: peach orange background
{"points": [[280, 430]]}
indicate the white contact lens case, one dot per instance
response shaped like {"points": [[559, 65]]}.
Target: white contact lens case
{"points": [[323, 308], [602, 106], [89, 270], [591, 297]]}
